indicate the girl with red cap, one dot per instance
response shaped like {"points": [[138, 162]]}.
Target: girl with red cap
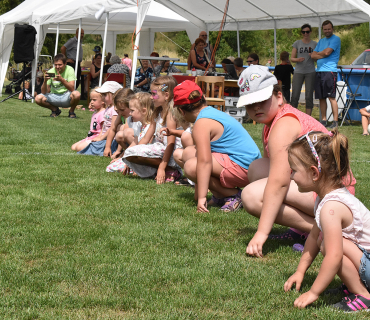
{"points": [[223, 150]]}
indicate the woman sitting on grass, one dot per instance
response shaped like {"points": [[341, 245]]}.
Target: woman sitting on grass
{"points": [[341, 231], [223, 151], [271, 196]]}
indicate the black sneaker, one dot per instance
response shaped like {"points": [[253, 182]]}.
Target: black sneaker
{"points": [[353, 303], [340, 290], [333, 125], [324, 123]]}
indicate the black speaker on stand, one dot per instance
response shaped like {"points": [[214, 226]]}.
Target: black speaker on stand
{"points": [[24, 42]]}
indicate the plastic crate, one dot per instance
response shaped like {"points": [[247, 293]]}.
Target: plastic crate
{"points": [[236, 112], [231, 101], [239, 119]]}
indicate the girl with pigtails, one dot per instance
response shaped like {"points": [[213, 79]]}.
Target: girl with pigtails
{"points": [[319, 163]]}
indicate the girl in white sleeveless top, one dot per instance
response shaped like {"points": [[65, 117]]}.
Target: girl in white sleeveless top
{"points": [[320, 163]]}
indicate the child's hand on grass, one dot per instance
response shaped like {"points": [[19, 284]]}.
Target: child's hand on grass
{"points": [[161, 176], [107, 152], [296, 279], [255, 245], [202, 205], [305, 299]]}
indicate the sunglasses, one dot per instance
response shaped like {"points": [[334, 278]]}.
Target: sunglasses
{"points": [[312, 147], [303, 32], [250, 61]]}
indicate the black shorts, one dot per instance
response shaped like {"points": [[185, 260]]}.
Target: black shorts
{"points": [[325, 85]]}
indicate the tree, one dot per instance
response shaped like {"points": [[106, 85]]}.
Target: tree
{"points": [[7, 5]]}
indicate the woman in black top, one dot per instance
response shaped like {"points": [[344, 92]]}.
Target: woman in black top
{"points": [[198, 56], [95, 71]]}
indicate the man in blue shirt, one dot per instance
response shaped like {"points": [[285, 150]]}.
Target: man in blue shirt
{"points": [[327, 55]]}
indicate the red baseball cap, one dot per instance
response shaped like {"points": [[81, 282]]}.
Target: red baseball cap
{"points": [[182, 91]]}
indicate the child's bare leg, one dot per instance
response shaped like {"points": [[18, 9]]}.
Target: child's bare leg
{"points": [[297, 210], [258, 169], [187, 139], [214, 182], [349, 270], [188, 153], [177, 156], [125, 138], [364, 120], [151, 162], [78, 146]]}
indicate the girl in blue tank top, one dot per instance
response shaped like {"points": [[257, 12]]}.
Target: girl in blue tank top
{"points": [[223, 151]]}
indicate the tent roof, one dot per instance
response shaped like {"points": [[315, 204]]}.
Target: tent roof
{"points": [[158, 18], [263, 14]]}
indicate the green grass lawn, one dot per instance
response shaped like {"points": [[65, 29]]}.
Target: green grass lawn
{"points": [[80, 243]]}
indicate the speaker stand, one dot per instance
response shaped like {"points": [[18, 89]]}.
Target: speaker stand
{"points": [[24, 98]]}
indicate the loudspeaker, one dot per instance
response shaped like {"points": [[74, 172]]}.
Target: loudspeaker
{"points": [[24, 41]]}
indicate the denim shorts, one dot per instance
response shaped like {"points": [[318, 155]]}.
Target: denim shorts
{"points": [[62, 100], [364, 270]]}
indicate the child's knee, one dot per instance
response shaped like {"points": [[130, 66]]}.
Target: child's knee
{"points": [[188, 153], [251, 202], [119, 137], [190, 168], [186, 139], [177, 154]]}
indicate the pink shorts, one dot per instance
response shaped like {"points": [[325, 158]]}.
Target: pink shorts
{"points": [[232, 175]]}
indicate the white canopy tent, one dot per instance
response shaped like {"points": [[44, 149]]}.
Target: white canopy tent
{"points": [[46, 15], [269, 14], [202, 14]]}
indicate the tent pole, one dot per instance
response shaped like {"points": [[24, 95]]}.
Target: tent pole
{"points": [[275, 42], [319, 28], [103, 53], [237, 38], [78, 49], [56, 41], [114, 42]]}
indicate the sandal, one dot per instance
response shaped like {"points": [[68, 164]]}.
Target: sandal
{"points": [[182, 182], [55, 113], [173, 175], [365, 134], [71, 115], [289, 235], [216, 202], [233, 203]]}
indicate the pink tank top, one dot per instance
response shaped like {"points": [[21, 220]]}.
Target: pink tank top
{"points": [[307, 123]]}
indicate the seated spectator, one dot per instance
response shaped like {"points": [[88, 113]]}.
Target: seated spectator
{"points": [[127, 61], [208, 49], [142, 75], [198, 56], [224, 63], [95, 71], [231, 58], [26, 91], [365, 119], [118, 67], [268, 64], [107, 63], [58, 92], [39, 82], [283, 74], [155, 63], [165, 66], [238, 64], [253, 59], [97, 50]]}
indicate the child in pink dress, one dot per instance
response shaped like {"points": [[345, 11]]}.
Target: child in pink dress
{"points": [[97, 121]]}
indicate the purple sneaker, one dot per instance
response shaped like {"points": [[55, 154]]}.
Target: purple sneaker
{"points": [[289, 235], [298, 247], [233, 203]]}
